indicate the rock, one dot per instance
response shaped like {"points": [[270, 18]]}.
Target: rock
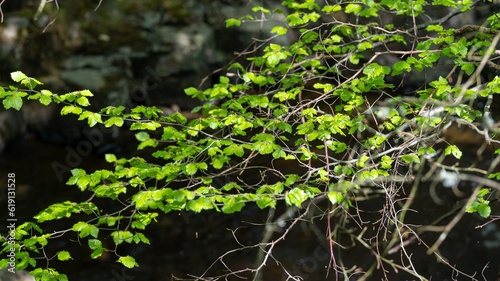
{"points": [[21, 275], [125, 53]]}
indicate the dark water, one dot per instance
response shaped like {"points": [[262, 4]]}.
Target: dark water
{"points": [[185, 245]]}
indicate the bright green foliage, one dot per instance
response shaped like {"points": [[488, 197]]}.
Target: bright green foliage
{"points": [[128, 261], [481, 205], [453, 149], [63, 256], [321, 105]]}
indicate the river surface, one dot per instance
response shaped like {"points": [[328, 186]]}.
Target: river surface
{"points": [[184, 244]]}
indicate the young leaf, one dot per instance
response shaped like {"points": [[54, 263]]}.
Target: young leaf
{"points": [[484, 209], [295, 197], [139, 237], [399, 67], [280, 30], [410, 158], [191, 169], [71, 109], [199, 205], [83, 101], [94, 118], [89, 230], [97, 253], [128, 261], [14, 101], [353, 8], [45, 97], [95, 244], [110, 158], [79, 226], [18, 76], [336, 197], [232, 22], [454, 150], [64, 256]]}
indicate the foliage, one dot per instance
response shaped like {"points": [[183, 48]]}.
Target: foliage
{"points": [[316, 125]]}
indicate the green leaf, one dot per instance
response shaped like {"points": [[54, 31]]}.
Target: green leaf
{"points": [[191, 169], [232, 206], [118, 121], [145, 126], [30, 242], [94, 244], [121, 236], [232, 22], [110, 158], [399, 67], [410, 158], [295, 197], [453, 149], [425, 150], [437, 28], [97, 253], [371, 12], [3, 263], [331, 8], [64, 256], [274, 58], [354, 59], [31, 83], [483, 192], [362, 160], [18, 76], [468, 68], [14, 101], [139, 237], [79, 226], [191, 91], [94, 118], [85, 229], [179, 118], [218, 161], [336, 197], [234, 149], [86, 93], [484, 209], [280, 30], [265, 201], [199, 205], [78, 172], [142, 136], [263, 147], [89, 230], [353, 8], [83, 101], [71, 109], [386, 162], [364, 46], [128, 261], [82, 182], [472, 207], [45, 97]]}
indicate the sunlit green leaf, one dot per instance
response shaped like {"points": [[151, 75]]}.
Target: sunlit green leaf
{"points": [[18, 76], [63, 256], [128, 261], [410, 158], [13, 101]]}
